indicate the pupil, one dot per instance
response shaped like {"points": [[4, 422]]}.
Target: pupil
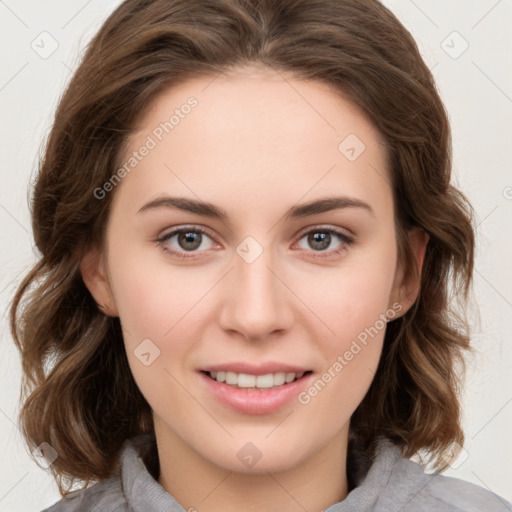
{"points": [[189, 240], [320, 241]]}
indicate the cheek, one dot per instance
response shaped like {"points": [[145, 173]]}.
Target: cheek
{"points": [[352, 303], [350, 356], [152, 297], [352, 298], [159, 308]]}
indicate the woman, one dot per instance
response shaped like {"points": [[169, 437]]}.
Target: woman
{"points": [[248, 232]]}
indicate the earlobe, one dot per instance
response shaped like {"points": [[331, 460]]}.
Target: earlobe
{"points": [[93, 270], [409, 286]]}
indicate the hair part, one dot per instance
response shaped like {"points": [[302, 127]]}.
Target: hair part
{"points": [[78, 393]]}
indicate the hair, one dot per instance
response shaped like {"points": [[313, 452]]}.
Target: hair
{"points": [[78, 393]]}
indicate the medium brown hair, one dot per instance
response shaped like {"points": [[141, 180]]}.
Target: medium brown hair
{"points": [[78, 393]]}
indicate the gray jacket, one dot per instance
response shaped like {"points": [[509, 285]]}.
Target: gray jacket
{"points": [[392, 484]]}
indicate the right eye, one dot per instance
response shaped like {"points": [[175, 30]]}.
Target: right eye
{"points": [[179, 242]]}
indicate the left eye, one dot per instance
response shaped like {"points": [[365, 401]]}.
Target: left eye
{"points": [[321, 239]]}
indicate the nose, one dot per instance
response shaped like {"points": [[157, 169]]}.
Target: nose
{"points": [[258, 302]]}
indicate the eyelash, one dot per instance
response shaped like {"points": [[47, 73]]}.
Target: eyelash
{"points": [[342, 237]]}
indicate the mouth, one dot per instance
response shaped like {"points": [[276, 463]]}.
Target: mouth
{"points": [[252, 388], [256, 382]]}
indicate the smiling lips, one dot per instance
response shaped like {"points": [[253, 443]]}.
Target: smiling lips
{"points": [[264, 376], [255, 389], [258, 390]]}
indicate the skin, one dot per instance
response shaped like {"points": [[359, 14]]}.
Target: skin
{"points": [[257, 143]]}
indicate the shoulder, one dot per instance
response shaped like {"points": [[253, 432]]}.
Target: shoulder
{"points": [[395, 483], [422, 491], [130, 484], [455, 494], [105, 495]]}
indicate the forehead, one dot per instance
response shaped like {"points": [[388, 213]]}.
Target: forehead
{"points": [[241, 135]]}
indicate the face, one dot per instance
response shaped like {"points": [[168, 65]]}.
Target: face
{"points": [[268, 282]]}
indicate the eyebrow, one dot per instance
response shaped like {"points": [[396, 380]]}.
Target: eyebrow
{"points": [[295, 212]]}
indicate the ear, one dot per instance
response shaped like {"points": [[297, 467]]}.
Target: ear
{"points": [[94, 274], [407, 284]]}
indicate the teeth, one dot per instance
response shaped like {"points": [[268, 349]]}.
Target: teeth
{"points": [[245, 380]]}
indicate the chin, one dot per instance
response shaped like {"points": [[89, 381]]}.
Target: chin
{"points": [[255, 458]]}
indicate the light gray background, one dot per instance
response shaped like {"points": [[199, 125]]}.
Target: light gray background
{"points": [[476, 86]]}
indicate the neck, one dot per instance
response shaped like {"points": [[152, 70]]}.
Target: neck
{"points": [[198, 484]]}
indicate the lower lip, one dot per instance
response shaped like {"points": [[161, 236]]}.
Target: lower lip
{"points": [[254, 401]]}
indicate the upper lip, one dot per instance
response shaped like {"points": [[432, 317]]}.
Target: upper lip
{"points": [[255, 369]]}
